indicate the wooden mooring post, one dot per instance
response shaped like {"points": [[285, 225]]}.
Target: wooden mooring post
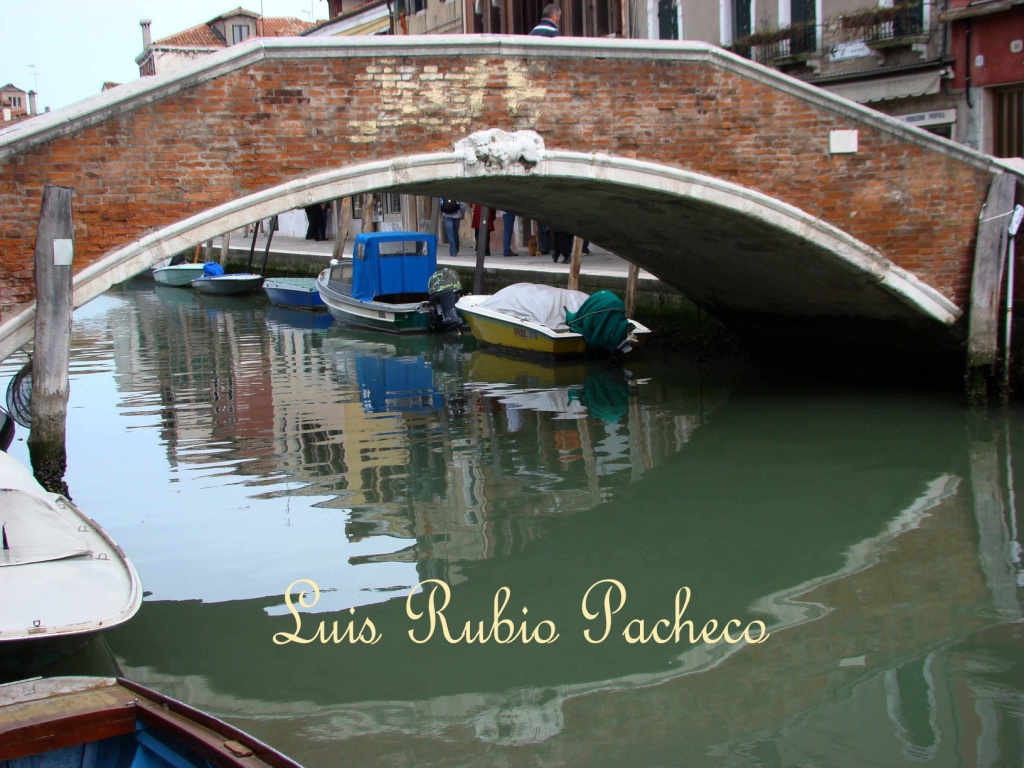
{"points": [[631, 281], [52, 348], [986, 284], [342, 207], [482, 237], [225, 247], [368, 203], [574, 266]]}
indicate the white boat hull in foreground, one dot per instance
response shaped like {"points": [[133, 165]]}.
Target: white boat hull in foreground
{"points": [[62, 578]]}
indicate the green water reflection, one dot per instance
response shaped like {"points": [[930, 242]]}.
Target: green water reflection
{"points": [[872, 533]]}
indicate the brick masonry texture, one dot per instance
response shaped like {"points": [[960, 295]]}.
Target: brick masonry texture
{"points": [[282, 119]]}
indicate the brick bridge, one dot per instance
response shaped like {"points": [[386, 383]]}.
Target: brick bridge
{"points": [[716, 174]]}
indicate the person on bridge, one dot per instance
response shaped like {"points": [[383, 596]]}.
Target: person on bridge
{"points": [[508, 221], [562, 246], [548, 25], [452, 212], [481, 231], [325, 212], [314, 215]]}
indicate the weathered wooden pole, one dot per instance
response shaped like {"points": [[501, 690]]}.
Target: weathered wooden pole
{"points": [[483, 235], [435, 215], [52, 347], [368, 212], [342, 222], [986, 283], [410, 214], [574, 267], [631, 281], [225, 247], [1015, 222]]}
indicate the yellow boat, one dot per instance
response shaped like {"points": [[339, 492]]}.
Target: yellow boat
{"points": [[515, 326], [490, 366]]}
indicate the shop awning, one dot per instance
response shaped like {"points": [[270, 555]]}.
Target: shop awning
{"points": [[884, 89]]}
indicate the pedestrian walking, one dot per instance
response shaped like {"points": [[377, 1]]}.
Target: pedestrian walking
{"points": [[452, 213], [508, 222], [481, 230]]}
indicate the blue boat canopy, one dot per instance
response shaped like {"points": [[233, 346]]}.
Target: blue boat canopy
{"points": [[397, 384], [392, 264]]}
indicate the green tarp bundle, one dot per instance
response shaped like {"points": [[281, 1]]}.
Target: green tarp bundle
{"points": [[601, 321]]}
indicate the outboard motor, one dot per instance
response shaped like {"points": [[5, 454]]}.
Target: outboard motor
{"points": [[442, 292]]}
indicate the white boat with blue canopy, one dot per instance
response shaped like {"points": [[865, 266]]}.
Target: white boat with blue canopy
{"points": [[385, 286], [217, 282]]}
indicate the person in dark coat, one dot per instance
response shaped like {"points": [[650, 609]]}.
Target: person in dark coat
{"points": [[562, 246], [314, 215], [480, 231], [325, 212], [548, 25]]}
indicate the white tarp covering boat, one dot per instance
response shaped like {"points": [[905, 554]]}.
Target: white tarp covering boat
{"points": [[541, 304]]}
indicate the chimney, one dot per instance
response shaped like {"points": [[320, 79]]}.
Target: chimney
{"points": [[32, 103], [147, 38]]}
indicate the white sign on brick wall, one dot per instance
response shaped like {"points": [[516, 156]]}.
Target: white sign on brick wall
{"points": [[842, 142]]}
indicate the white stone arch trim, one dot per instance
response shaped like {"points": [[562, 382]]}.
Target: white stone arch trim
{"points": [[761, 207], [127, 261]]}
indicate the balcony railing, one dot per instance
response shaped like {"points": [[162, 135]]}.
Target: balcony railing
{"points": [[794, 41], [802, 38], [878, 25]]}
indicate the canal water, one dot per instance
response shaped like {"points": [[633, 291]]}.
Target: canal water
{"points": [[670, 563]]}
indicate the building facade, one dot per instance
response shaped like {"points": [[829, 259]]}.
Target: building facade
{"points": [[952, 67], [987, 48], [16, 103], [231, 28]]}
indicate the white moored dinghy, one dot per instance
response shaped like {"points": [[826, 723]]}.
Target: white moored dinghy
{"points": [[62, 578]]}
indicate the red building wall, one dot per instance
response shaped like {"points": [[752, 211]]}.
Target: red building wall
{"points": [[991, 36]]}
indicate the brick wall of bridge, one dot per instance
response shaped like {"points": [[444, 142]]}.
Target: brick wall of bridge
{"points": [[284, 118]]}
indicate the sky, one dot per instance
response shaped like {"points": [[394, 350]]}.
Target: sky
{"points": [[66, 49]]}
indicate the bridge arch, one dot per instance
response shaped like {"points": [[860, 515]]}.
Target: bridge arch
{"points": [[877, 287], [725, 170]]}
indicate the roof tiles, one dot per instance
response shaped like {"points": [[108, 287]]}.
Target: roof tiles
{"points": [[203, 36]]}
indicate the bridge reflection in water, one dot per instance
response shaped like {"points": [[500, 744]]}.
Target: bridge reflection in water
{"points": [[871, 532]]}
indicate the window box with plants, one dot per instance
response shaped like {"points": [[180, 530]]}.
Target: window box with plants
{"points": [[899, 24], [796, 42]]}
